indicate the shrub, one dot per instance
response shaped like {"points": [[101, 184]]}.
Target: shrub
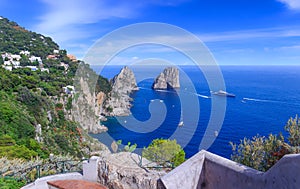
{"points": [[164, 151], [10, 183], [262, 153]]}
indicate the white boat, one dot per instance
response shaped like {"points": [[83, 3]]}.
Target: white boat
{"points": [[223, 93], [216, 133], [180, 124]]}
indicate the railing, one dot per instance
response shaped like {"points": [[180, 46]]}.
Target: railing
{"points": [[30, 174], [161, 165]]}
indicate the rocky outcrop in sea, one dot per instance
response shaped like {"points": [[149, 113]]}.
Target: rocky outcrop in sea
{"points": [[169, 78], [119, 101]]}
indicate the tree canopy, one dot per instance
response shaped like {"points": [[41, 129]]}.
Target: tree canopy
{"points": [[164, 152], [262, 153]]}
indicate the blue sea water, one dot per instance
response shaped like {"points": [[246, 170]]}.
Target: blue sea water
{"points": [[266, 97]]}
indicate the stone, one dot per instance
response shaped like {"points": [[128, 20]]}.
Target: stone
{"points": [[210, 171], [38, 133], [119, 102], [121, 171], [87, 105], [169, 78]]}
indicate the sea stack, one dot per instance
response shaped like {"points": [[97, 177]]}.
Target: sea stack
{"points": [[124, 82], [168, 79], [123, 85]]}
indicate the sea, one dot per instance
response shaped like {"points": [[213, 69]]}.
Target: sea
{"points": [[265, 98]]}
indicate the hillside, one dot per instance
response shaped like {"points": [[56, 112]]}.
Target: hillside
{"points": [[36, 96], [14, 38]]}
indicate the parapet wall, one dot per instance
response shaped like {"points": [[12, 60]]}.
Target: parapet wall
{"points": [[209, 171], [202, 171]]}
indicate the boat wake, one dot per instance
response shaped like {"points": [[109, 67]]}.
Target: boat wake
{"points": [[257, 100], [202, 96], [164, 91], [168, 91]]}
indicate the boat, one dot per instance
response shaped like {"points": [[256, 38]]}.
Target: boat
{"points": [[223, 93], [216, 133], [180, 124]]}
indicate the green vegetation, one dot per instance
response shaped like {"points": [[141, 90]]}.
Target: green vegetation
{"points": [[14, 38], [164, 152], [10, 183], [30, 100], [84, 71], [1, 61], [24, 102], [115, 146], [262, 153]]}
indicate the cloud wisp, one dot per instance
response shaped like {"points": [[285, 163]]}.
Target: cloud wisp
{"points": [[280, 32], [67, 19], [292, 4]]}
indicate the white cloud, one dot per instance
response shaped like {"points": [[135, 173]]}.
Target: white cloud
{"points": [[78, 21], [292, 4], [290, 48], [251, 34], [64, 20]]}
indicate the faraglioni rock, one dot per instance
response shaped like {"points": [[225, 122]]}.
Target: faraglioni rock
{"points": [[169, 78], [123, 84]]}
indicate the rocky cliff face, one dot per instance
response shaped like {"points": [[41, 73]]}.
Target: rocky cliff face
{"points": [[123, 84], [87, 105], [169, 78], [121, 171]]}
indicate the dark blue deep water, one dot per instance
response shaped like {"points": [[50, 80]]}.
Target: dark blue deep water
{"points": [[266, 97]]}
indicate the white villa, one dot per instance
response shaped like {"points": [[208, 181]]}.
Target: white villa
{"points": [[13, 61], [69, 89], [55, 51], [27, 53], [36, 58]]}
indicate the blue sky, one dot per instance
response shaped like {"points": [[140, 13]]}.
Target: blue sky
{"points": [[239, 32]]}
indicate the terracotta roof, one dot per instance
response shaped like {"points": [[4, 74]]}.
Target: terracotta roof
{"points": [[75, 184]]}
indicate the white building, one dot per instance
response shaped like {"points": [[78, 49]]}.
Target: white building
{"points": [[44, 70], [15, 63], [36, 58], [33, 68], [66, 66], [11, 59], [55, 51], [9, 68], [27, 53], [16, 57], [7, 63], [69, 89]]}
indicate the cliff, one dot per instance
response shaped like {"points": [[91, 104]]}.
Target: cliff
{"points": [[123, 84], [87, 103], [169, 78]]}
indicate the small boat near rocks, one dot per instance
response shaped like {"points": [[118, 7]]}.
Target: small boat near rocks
{"points": [[223, 93]]}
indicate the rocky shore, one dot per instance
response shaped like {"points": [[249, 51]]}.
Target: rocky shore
{"points": [[90, 108]]}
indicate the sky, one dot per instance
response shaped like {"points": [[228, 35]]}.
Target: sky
{"points": [[237, 32]]}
